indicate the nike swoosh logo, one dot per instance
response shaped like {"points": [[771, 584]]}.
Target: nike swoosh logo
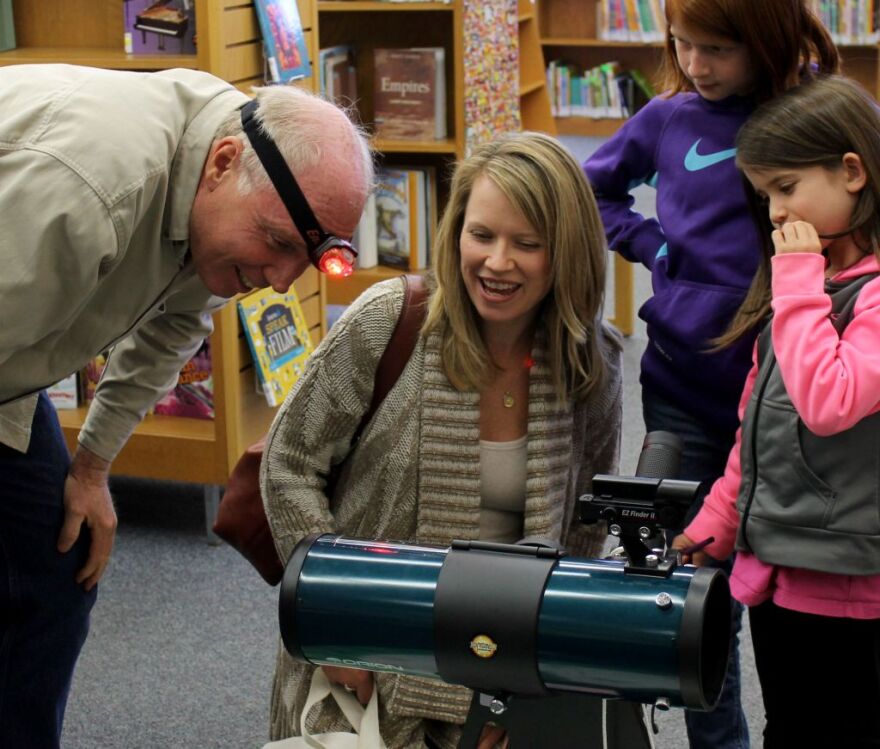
{"points": [[694, 161]]}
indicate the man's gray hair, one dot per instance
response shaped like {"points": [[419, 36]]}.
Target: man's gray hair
{"points": [[306, 128]]}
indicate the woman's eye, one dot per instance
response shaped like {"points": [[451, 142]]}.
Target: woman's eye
{"points": [[786, 189]]}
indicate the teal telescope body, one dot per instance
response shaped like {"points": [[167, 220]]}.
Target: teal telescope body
{"points": [[508, 619]]}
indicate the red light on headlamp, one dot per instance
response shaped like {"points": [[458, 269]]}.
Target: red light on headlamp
{"points": [[328, 253], [337, 262]]}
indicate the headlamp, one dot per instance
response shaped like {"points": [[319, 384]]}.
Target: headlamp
{"points": [[328, 253]]}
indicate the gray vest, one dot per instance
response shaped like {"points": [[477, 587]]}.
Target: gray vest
{"points": [[807, 501]]}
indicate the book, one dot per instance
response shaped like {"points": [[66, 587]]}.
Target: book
{"points": [[7, 26], [91, 375], [338, 74], [193, 395], [64, 394], [279, 340], [283, 41], [156, 27], [364, 239], [409, 98], [402, 218]]}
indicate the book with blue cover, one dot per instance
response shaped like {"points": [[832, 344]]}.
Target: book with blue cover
{"points": [[286, 54]]}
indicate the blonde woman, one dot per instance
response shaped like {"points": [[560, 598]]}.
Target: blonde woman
{"points": [[509, 404]]}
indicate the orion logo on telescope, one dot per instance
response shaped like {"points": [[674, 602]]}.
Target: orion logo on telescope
{"points": [[483, 646], [369, 665]]}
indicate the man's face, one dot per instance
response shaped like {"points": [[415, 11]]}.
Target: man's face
{"points": [[241, 242]]}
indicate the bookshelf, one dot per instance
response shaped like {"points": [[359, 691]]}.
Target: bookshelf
{"points": [[534, 100], [368, 25], [229, 45]]}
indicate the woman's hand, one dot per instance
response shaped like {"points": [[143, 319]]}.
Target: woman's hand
{"points": [[798, 236], [354, 680]]}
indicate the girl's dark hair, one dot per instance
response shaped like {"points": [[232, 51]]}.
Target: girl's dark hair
{"points": [[784, 37], [814, 124]]}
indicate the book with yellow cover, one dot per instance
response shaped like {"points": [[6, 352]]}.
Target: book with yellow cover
{"points": [[279, 340]]}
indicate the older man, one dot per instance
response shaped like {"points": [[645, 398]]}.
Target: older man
{"points": [[132, 206]]}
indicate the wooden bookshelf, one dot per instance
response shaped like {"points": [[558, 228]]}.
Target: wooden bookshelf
{"points": [[230, 46], [370, 25], [534, 100]]}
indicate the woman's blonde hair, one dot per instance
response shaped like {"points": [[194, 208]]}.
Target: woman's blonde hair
{"points": [[543, 181]]}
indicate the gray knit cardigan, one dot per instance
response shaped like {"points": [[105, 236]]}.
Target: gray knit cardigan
{"points": [[415, 476]]}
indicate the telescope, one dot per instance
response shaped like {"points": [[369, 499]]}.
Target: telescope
{"points": [[522, 620]]}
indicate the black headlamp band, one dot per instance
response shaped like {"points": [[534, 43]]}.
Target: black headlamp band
{"points": [[283, 180]]}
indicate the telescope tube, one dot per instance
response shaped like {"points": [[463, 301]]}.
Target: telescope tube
{"points": [[595, 628]]}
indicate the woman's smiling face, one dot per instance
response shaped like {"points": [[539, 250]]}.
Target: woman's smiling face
{"points": [[504, 261]]}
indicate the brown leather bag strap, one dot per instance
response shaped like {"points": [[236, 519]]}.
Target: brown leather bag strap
{"points": [[400, 346]]}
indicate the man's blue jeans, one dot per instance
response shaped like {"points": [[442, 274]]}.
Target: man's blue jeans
{"points": [[44, 613], [704, 455]]}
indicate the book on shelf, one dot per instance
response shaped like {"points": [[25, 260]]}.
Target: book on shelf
{"points": [[596, 93], [635, 91], [283, 42], [278, 336], [337, 74], [631, 20], [849, 21], [65, 394], [91, 375], [364, 238], [159, 27], [405, 210], [409, 97], [7, 26], [193, 395]]}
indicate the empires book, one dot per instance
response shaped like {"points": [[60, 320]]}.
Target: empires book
{"points": [[409, 98], [276, 331], [283, 41]]}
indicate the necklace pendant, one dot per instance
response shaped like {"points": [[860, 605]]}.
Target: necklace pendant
{"points": [[508, 400]]}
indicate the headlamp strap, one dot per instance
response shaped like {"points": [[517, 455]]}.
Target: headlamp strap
{"points": [[282, 178]]}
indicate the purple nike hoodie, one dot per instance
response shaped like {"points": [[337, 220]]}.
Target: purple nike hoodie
{"points": [[702, 250]]}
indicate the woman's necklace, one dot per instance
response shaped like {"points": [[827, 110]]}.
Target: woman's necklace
{"points": [[507, 398]]}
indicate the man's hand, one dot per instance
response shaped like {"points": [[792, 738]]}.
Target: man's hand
{"points": [[87, 500], [354, 680], [798, 236]]}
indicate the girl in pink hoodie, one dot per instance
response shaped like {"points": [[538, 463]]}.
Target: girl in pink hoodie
{"points": [[800, 496]]}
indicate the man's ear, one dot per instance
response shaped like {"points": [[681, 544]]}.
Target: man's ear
{"points": [[856, 176], [223, 159]]}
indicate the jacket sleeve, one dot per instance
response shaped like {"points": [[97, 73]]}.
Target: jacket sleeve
{"points": [[719, 517], [621, 164], [833, 380], [314, 426], [145, 365]]}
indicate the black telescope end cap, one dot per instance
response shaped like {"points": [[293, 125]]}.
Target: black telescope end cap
{"points": [[705, 639], [287, 596]]}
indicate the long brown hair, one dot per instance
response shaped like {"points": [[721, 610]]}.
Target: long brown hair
{"points": [[811, 125], [543, 181], [783, 38]]}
